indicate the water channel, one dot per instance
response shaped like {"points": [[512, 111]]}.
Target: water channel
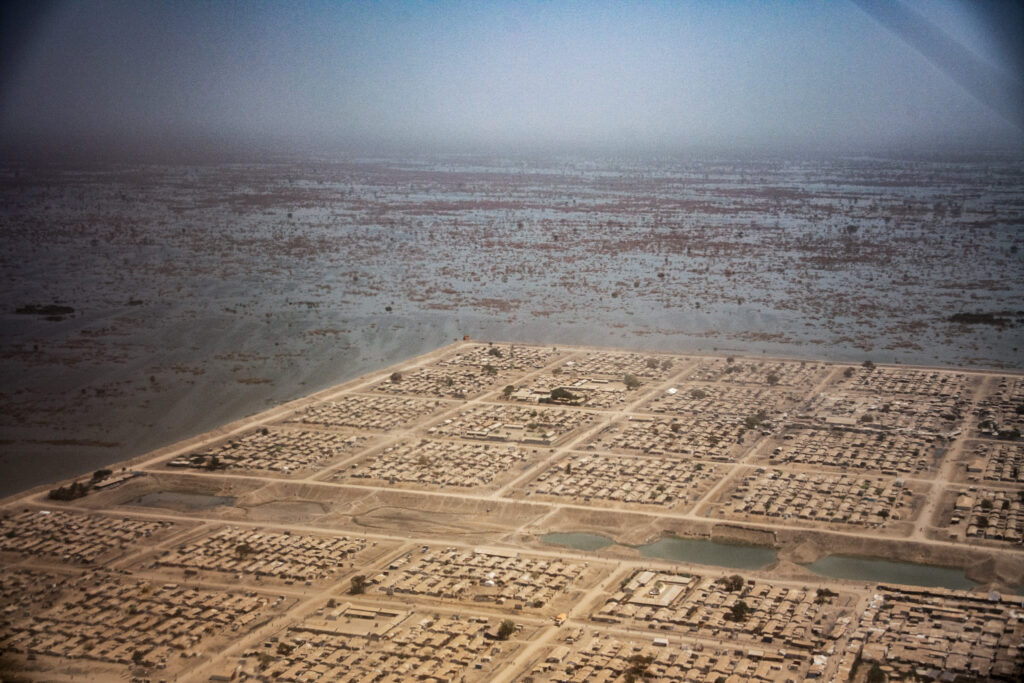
{"points": [[695, 550], [703, 551], [886, 571]]}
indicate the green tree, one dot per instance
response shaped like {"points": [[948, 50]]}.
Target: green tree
{"points": [[508, 390], [739, 611], [560, 394], [638, 665], [396, 377], [507, 628], [875, 675], [358, 585], [76, 490], [631, 381], [732, 583]]}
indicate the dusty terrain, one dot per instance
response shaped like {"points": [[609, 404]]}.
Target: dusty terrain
{"points": [[263, 550]]}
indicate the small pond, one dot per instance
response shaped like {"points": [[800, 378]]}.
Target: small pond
{"points": [[694, 550], [886, 571], [579, 541], [702, 551]]}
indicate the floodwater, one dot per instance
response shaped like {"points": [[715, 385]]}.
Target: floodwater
{"points": [[692, 550], [886, 571], [701, 551], [203, 294]]}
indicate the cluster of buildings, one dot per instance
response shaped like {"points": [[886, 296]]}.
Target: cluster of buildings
{"points": [[736, 402], [818, 497], [441, 382], [591, 391], [890, 453], [994, 514], [801, 375], [647, 480], [119, 621], [939, 415], [504, 422], [682, 441], [433, 462], [375, 413], [247, 551], [1003, 408], [728, 608], [997, 461], [502, 356], [937, 634], [276, 450], [359, 645], [606, 659], [617, 364], [25, 589], [698, 436], [486, 575], [888, 381], [72, 536]]}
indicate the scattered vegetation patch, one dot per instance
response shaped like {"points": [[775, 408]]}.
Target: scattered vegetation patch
{"points": [[78, 489], [997, 319], [44, 309]]}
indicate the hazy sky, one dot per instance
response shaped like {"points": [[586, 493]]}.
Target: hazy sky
{"points": [[653, 75]]}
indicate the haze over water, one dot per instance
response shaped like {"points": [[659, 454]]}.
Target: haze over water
{"points": [[192, 77]]}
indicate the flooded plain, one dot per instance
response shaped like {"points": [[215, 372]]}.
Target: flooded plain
{"points": [[145, 304]]}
